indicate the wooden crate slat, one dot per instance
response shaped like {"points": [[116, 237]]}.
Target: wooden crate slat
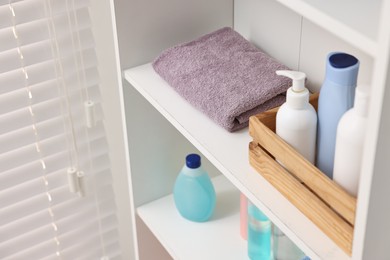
{"points": [[308, 203]]}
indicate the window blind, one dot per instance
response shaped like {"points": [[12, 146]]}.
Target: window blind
{"points": [[56, 197]]}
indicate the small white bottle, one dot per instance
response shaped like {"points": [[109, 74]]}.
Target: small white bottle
{"points": [[296, 120], [350, 138]]}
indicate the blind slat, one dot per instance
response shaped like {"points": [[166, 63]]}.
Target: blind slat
{"points": [[23, 13], [18, 175], [76, 233], [84, 163], [42, 92], [26, 136], [40, 203], [45, 71], [34, 187], [14, 80], [49, 128], [41, 51], [42, 218], [59, 195], [33, 205], [100, 162], [76, 252], [40, 30], [29, 153], [42, 112], [22, 118]]}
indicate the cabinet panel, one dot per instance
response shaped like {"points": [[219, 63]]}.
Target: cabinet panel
{"points": [[316, 44], [157, 150], [356, 22], [148, 245], [294, 40], [103, 25], [378, 212], [146, 27], [271, 27]]}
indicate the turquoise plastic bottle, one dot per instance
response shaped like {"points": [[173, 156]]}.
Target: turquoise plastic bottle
{"points": [[194, 192], [259, 234], [336, 97]]}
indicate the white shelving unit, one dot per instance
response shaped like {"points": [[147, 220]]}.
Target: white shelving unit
{"points": [[162, 126], [229, 153], [217, 238]]}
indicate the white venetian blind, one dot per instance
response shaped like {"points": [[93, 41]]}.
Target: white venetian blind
{"points": [[51, 123]]}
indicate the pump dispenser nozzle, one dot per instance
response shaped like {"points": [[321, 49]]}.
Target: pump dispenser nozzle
{"points": [[297, 77], [297, 95]]}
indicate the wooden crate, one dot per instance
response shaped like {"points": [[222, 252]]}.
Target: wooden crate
{"points": [[322, 200]]}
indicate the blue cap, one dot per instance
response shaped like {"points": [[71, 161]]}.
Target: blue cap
{"points": [[193, 161], [342, 69], [342, 60]]}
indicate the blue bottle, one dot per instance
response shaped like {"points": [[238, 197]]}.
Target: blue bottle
{"points": [[336, 97], [259, 234], [194, 192]]}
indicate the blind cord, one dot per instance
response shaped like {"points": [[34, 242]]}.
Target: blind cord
{"points": [[85, 94], [300, 43], [60, 70]]}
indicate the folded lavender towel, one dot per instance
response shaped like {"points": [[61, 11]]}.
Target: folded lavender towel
{"points": [[224, 76]]}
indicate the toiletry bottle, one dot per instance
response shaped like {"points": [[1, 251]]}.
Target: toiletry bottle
{"points": [[350, 137], [283, 248], [194, 192], [243, 216], [336, 97], [296, 120], [259, 234]]}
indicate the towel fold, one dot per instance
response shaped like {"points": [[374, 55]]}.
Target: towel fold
{"points": [[224, 76]]}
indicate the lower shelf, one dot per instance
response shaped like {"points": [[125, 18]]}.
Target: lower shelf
{"points": [[218, 238]]}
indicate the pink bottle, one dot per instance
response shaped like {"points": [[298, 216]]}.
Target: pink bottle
{"points": [[243, 216]]}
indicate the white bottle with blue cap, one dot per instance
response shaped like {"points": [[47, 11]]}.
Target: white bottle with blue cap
{"points": [[194, 192], [296, 120]]}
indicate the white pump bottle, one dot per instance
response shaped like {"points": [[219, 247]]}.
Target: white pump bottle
{"points": [[296, 120]]}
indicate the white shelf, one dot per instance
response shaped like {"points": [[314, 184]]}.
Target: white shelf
{"points": [[218, 238], [354, 21], [229, 153]]}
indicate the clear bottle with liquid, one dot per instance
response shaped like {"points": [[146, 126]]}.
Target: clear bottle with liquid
{"points": [[283, 248], [259, 234]]}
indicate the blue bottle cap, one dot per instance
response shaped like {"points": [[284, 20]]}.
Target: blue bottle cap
{"points": [[193, 161], [342, 60]]}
